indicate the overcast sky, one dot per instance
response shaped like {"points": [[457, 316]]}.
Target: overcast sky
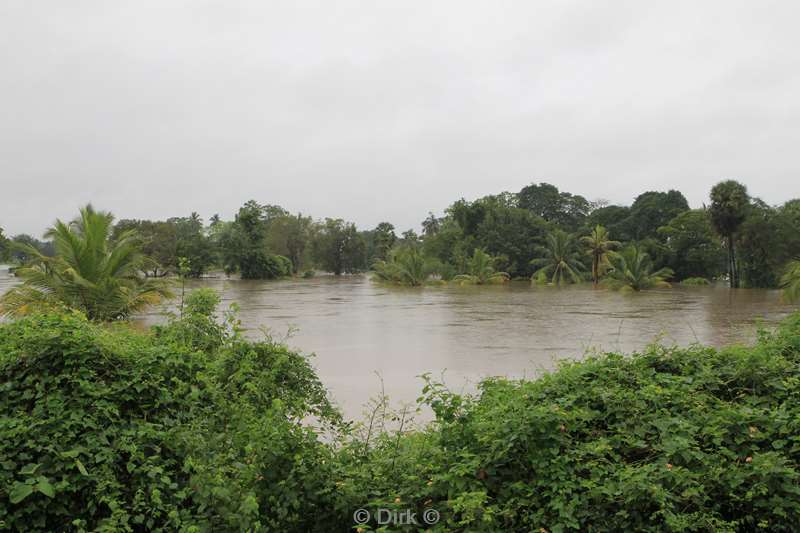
{"points": [[378, 110]]}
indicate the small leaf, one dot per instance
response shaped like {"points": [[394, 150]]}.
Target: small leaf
{"points": [[19, 492], [81, 468], [45, 487], [29, 470]]}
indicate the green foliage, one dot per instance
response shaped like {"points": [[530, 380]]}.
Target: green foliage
{"points": [[766, 241], [5, 247], [696, 282], [694, 249], [651, 210], [632, 269], [670, 439], [561, 208], [790, 281], [339, 248], [382, 240], [21, 248], [599, 245], [406, 266], [494, 224], [481, 270], [159, 242], [290, 236], [192, 244], [258, 264], [190, 428], [90, 272], [728, 210], [560, 260], [612, 217]]}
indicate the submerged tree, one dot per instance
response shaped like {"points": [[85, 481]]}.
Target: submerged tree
{"points": [[633, 269], [694, 250], [561, 259], [338, 247], [599, 245], [90, 272], [790, 281], [405, 266], [729, 203], [481, 270]]}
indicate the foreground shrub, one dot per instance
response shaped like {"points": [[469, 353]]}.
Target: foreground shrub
{"points": [[107, 429], [669, 439]]}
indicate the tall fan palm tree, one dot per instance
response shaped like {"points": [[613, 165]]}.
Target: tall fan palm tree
{"points": [[599, 244], [632, 269], [790, 281], [480, 270], [561, 259], [89, 271]]}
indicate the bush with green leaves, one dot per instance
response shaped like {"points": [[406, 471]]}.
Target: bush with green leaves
{"points": [[695, 282], [104, 428], [670, 439], [259, 264], [190, 427]]}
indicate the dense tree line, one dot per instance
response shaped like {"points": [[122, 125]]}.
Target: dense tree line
{"points": [[736, 237], [538, 232]]}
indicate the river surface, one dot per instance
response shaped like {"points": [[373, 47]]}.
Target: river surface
{"points": [[358, 329]]}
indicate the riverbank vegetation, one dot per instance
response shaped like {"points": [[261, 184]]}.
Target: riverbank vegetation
{"points": [[536, 233], [191, 427]]}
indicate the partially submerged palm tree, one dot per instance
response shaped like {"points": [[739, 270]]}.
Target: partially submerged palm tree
{"points": [[480, 270], [632, 269], [89, 272], [560, 261], [405, 266], [790, 281], [599, 245]]}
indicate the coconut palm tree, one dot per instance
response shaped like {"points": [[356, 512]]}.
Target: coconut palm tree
{"points": [[480, 270], [560, 260], [632, 269], [405, 266], [90, 272], [598, 246], [790, 281]]}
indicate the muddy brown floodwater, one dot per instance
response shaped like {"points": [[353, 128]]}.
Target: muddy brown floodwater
{"points": [[357, 328]]}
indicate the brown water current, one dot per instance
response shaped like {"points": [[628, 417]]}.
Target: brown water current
{"points": [[357, 328]]}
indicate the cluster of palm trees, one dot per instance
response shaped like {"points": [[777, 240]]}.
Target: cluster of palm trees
{"points": [[101, 275], [560, 262], [631, 268], [408, 266]]}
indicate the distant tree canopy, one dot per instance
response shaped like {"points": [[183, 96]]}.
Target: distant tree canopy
{"points": [[560, 208], [694, 248], [737, 237], [339, 247], [729, 208]]}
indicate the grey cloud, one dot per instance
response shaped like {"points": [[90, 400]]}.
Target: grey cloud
{"points": [[385, 110]]}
